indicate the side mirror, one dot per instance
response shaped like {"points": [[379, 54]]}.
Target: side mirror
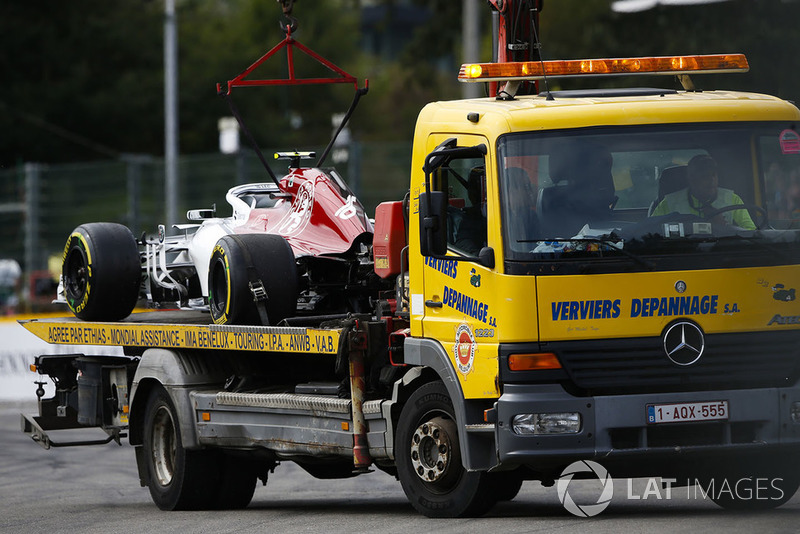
{"points": [[486, 257], [433, 223], [199, 215]]}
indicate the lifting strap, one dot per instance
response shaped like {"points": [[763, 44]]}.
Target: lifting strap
{"points": [[254, 282]]}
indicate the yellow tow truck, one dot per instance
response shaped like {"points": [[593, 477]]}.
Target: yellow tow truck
{"points": [[605, 275]]}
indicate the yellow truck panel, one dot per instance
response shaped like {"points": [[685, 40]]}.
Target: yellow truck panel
{"points": [[140, 334], [643, 304]]}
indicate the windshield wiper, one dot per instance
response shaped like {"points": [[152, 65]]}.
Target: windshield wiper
{"points": [[607, 241]]}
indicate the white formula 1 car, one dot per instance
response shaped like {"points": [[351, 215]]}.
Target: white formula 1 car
{"points": [[298, 247]]}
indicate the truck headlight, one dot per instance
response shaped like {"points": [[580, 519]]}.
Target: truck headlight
{"points": [[547, 423], [795, 411]]}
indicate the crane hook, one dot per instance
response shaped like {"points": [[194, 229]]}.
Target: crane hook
{"points": [[288, 23]]}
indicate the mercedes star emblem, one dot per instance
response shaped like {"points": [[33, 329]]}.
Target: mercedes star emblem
{"points": [[684, 343]]}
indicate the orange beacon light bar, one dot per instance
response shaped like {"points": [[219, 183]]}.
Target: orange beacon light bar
{"points": [[537, 70]]}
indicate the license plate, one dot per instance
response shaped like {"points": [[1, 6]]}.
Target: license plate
{"points": [[687, 411]]}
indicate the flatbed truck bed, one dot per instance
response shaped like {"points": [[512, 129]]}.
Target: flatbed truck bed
{"points": [[184, 329], [196, 361]]}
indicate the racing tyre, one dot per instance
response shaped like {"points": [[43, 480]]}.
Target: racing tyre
{"points": [[428, 458], [236, 262], [179, 479], [101, 272]]}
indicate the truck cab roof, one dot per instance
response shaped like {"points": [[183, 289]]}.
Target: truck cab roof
{"points": [[599, 107], [576, 109]]}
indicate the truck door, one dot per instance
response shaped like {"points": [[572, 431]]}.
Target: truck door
{"points": [[457, 292]]}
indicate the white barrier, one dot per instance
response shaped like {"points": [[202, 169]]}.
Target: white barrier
{"points": [[18, 349]]}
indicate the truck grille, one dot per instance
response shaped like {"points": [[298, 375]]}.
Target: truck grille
{"points": [[691, 435], [730, 361]]}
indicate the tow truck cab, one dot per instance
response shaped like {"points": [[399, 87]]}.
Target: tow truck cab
{"points": [[584, 317]]}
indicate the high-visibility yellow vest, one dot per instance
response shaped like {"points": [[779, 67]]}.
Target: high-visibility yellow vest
{"points": [[681, 202]]}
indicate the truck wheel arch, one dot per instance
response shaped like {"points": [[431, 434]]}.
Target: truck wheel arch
{"points": [[179, 373], [137, 408], [477, 452]]}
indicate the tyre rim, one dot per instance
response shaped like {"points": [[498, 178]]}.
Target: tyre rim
{"points": [[431, 450], [163, 446], [218, 290], [75, 274]]}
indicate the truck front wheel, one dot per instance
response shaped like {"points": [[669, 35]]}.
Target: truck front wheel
{"points": [[507, 484], [428, 457], [179, 479], [757, 484]]}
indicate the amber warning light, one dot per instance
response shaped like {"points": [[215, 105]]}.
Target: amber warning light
{"points": [[537, 70], [533, 362]]}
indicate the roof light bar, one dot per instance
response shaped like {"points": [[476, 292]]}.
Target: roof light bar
{"points": [[537, 70]]}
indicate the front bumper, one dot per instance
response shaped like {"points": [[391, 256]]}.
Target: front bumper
{"points": [[615, 430]]}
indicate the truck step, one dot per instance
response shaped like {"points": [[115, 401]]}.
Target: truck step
{"points": [[294, 401]]}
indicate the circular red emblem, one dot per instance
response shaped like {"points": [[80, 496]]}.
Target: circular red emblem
{"points": [[464, 348]]}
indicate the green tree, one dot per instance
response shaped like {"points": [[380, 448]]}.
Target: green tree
{"points": [[79, 78], [84, 79]]}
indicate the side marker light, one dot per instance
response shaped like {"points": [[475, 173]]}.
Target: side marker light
{"points": [[533, 362]]}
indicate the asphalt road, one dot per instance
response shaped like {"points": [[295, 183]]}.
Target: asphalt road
{"points": [[96, 489]]}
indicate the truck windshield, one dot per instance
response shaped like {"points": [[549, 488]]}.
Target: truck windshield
{"points": [[682, 196]]}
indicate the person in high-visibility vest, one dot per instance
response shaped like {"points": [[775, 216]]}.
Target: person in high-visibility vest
{"points": [[704, 197]]}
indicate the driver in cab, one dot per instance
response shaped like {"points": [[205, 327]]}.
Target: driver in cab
{"points": [[703, 197]]}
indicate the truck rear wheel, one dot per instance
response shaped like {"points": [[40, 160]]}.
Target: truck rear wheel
{"points": [[428, 457], [239, 260], [179, 479], [101, 272], [237, 483]]}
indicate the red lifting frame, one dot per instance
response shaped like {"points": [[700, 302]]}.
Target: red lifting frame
{"points": [[289, 43]]}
